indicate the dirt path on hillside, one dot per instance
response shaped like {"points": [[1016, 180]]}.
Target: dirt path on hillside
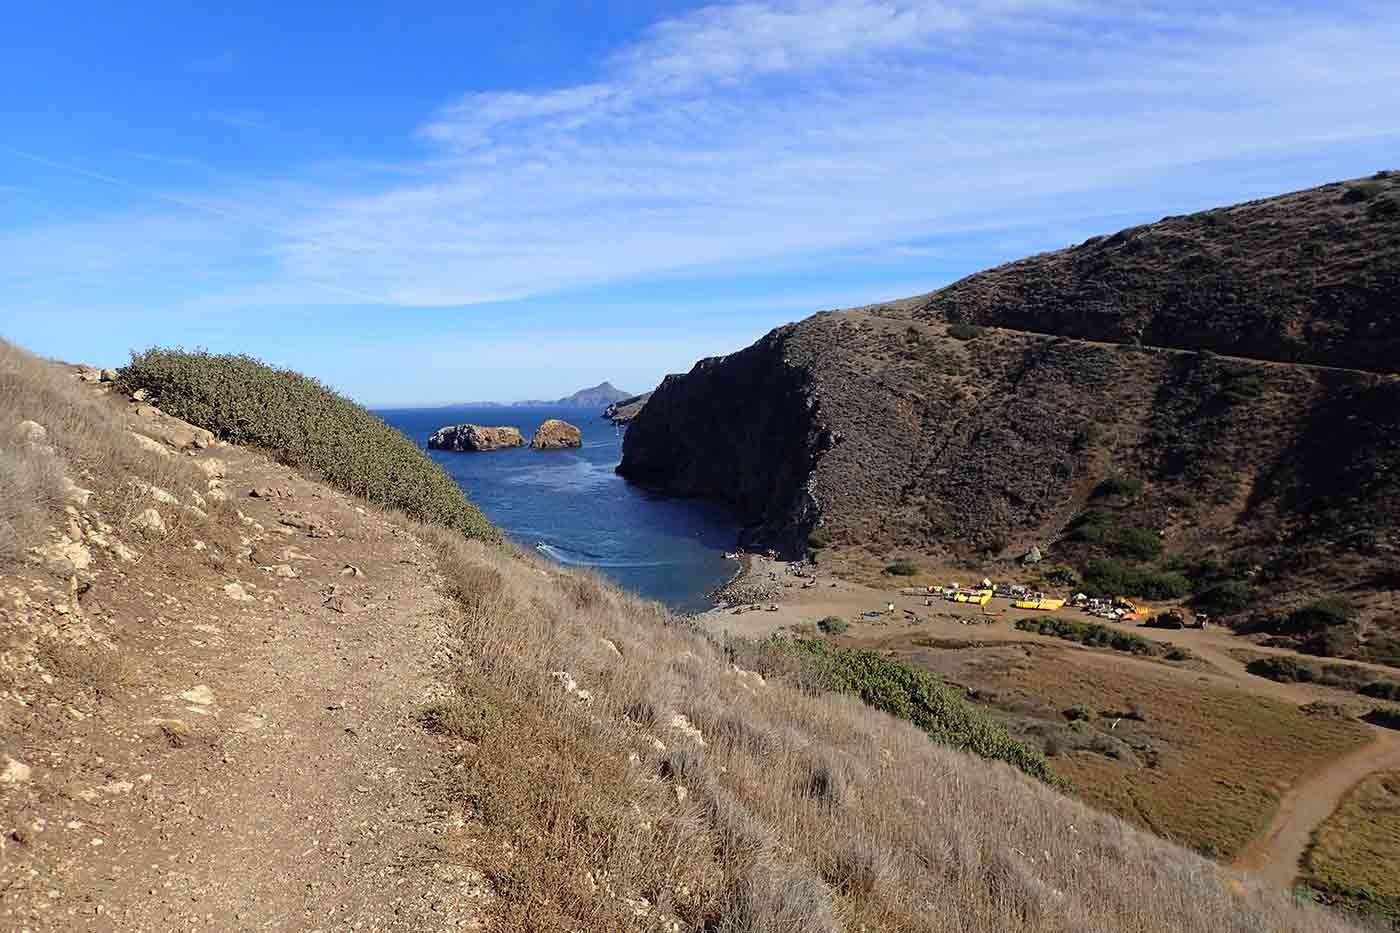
{"points": [[1276, 854], [256, 763], [1273, 855]]}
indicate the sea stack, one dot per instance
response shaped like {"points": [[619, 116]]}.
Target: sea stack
{"points": [[556, 435], [474, 437]]}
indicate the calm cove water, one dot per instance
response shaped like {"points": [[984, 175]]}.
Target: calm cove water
{"points": [[572, 503]]}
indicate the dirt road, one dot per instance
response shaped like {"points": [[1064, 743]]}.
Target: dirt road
{"points": [[1275, 854]]}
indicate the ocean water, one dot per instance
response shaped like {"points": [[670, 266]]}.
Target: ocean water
{"points": [[578, 511]]}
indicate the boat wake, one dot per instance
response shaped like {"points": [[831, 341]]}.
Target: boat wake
{"points": [[584, 559]]}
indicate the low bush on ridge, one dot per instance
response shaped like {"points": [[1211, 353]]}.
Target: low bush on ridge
{"points": [[1093, 634], [304, 424]]}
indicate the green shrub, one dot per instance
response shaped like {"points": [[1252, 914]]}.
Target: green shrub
{"points": [[1243, 386], [1136, 544], [935, 707], [818, 539], [965, 331], [902, 568], [1062, 576], [833, 625], [1320, 614], [305, 425], [1361, 191], [1089, 633], [1079, 714], [1386, 716], [1382, 690], [1224, 598], [1106, 578], [1118, 486], [1094, 527], [1284, 669]]}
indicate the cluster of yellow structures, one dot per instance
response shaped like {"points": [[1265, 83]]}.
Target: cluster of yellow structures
{"points": [[1043, 603]]}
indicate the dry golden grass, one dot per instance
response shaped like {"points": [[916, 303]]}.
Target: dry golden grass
{"points": [[799, 812], [1203, 765], [85, 443], [1354, 858]]}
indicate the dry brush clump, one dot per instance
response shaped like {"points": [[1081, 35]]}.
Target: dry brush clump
{"points": [[57, 437], [681, 787]]}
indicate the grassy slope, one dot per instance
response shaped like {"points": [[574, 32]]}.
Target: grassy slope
{"points": [[799, 811], [1355, 855]]}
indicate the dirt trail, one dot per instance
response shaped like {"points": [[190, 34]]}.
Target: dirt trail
{"points": [[1276, 853], [257, 763], [1273, 855]]}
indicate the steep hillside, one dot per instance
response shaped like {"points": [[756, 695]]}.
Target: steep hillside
{"points": [[243, 698], [1308, 277], [1150, 469], [624, 410]]}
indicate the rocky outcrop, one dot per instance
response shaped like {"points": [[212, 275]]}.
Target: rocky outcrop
{"points": [[742, 429], [623, 411], [474, 437], [554, 434], [893, 429]]}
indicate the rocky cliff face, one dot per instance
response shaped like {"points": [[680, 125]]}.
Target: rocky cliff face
{"points": [[624, 410], [891, 429], [554, 434], [742, 429], [474, 437]]}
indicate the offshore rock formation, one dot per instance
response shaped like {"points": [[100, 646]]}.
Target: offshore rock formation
{"points": [[474, 437], [554, 434]]}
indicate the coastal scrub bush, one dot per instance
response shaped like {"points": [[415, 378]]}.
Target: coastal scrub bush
{"points": [[818, 539], [1283, 669], [902, 568], [1320, 614], [1243, 386], [1118, 486], [921, 698], [833, 625], [1129, 543], [1224, 598], [1090, 633], [1386, 716], [965, 331], [1361, 191], [1106, 578], [304, 424], [1382, 690]]}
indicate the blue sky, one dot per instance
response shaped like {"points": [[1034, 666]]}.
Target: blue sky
{"points": [[454, 202]]}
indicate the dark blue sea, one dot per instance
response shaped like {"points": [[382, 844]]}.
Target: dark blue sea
{"points": [[581, 512]]}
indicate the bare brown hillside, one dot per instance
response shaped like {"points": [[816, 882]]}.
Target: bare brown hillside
{"points": [[1161, 470], [1308, 277]]}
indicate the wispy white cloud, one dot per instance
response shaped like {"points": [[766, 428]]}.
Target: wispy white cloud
{"points": [[787, 127]]}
